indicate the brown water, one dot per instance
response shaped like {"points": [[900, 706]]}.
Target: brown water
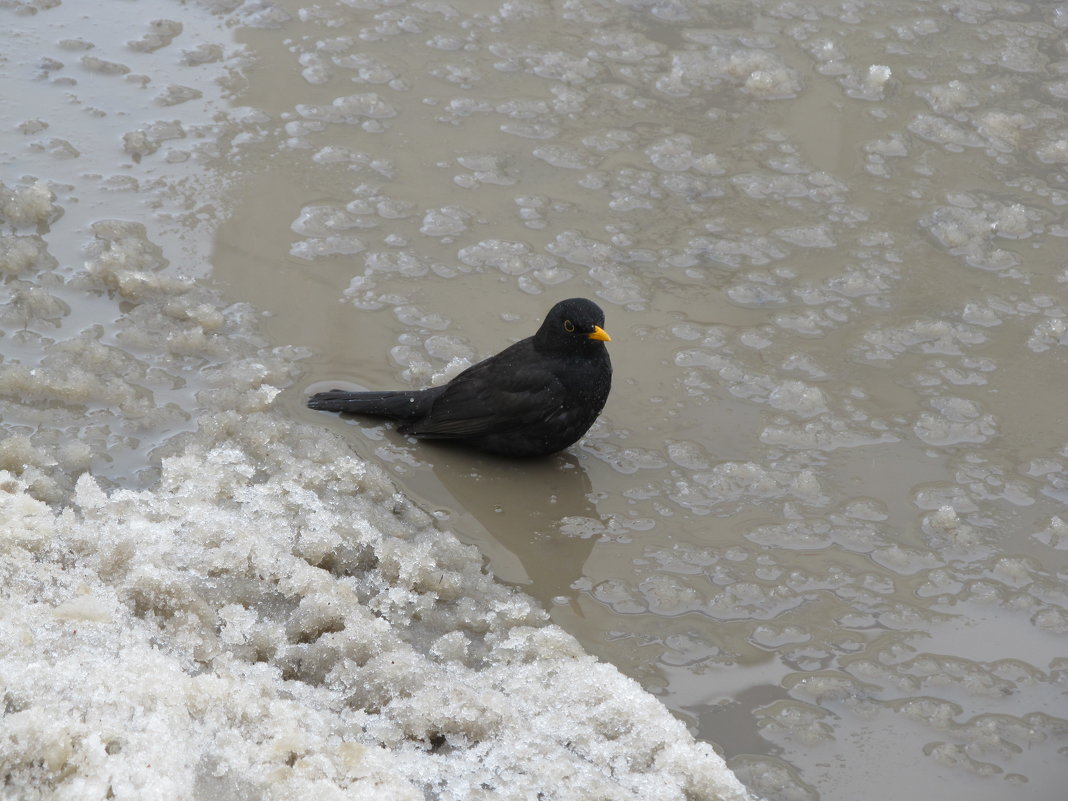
{"points": [[819, 516], [203, 596]]}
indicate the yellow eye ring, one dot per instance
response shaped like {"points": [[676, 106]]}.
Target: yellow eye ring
{"points": [[569, 326]]}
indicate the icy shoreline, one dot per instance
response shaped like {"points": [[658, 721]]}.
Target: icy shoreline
{"points": [[275, 619], [267, 616]]}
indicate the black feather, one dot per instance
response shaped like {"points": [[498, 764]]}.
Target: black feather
{"points": [[535, 397]]}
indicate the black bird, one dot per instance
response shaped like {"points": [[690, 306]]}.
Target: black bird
{"points": [[533, 398]]}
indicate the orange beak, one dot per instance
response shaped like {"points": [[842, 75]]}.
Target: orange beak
{"points": [[599, 333]]}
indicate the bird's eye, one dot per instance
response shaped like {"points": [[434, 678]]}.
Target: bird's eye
{"points": [[569, 326]]}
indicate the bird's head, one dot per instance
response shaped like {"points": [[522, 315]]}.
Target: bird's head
{"points": [[573, 323]]}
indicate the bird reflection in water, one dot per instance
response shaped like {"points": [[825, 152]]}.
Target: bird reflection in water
{"points": [[530, 509]]}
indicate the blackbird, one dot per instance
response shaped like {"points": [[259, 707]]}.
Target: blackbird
{"points": [[533, 398]]}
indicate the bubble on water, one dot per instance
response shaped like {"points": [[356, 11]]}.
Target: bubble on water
{"points": [[510, 258], [801, 399], [326, 247], [954, 420], [28, 204], [446, 221], [350, 109]]}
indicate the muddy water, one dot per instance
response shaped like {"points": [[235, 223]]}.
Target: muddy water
{"points": [[160, 514], [821, 516]]}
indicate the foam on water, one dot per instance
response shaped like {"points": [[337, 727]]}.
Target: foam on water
{"points": [[821, 514], [260, 613]]}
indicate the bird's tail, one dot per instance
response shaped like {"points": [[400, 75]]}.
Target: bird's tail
{"points": [[399, 404]]}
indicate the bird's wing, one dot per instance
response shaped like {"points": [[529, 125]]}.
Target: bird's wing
{"points": [[492, 397]]}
